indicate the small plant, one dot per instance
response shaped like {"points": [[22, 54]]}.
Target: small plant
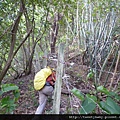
{"points": [[90, 102], [7, 103], [90, 75]]}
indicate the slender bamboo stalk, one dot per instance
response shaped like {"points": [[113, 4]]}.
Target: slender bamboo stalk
{"points": [[111, 67], [105, 62]]}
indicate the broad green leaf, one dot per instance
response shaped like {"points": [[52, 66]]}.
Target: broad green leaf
{"points": [[103, 90], [114, 105], [87, 106], [102, 106], [92, 97], [113, 94], [9, 87], [110, 106], [77, 93]]}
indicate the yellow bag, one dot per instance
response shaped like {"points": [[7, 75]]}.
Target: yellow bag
{"points": [[40, 78]]}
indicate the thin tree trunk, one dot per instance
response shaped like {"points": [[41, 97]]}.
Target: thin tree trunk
{"points": [[27, 49], [55, 28]]}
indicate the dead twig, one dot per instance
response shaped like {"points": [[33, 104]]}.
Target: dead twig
{"points": [[117, 83]]}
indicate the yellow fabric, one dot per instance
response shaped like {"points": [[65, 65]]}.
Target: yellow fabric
{"points": [[40, 78]]}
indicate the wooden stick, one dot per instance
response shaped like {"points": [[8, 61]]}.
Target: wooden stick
{"points": [[57, 92], [115, 69]]}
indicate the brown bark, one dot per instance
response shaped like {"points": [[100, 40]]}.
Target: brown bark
{"points": [[55, 28]]}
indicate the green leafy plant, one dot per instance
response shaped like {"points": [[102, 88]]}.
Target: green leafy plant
{"points": [[90, 102], [9, 94], [110, 105]]}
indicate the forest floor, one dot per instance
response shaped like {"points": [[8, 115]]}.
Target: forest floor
{"points": [[28, 101]]}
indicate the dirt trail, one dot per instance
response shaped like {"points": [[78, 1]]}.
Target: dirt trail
{"points": [[77, 73]]}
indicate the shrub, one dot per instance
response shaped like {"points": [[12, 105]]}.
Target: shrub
{"points": [[9, 94]]}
